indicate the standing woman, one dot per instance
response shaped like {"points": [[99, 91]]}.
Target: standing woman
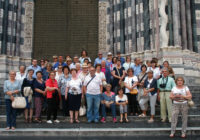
{"points": [[62, 84], [52, 98], [155, 69], [39, 93], [46, 71], [84, 55], [118, 73], [171, 71], [11, 89], [131, 91], [28, 82], [180, 95], [74, 87], [128, 64], [59, 72], [141, 78]]}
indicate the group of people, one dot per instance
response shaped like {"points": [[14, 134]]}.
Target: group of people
{"points": [[107, 84]]}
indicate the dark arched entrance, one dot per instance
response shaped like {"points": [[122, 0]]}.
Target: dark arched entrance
{"points": [[65, 27]]}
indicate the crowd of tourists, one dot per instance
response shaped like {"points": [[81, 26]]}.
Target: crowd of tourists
{"points": [[115, 84]]}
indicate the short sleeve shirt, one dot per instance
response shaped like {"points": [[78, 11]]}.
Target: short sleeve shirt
{"points": [[74, 86], [182, 91], [51, 83], [123, 99], [130, 81]]}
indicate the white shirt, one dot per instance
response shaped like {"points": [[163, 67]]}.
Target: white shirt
{"points": [[156, 72], [94, 86], [82, 76], [128, 65], [128, 81], [182, 91], [74, 86], [101, 75], [20, 77], [57, 76], [123, 99]]}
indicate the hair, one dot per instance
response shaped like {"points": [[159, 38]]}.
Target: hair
{"points": [[85, 52], [66, 67], [113, 59], [118, 60], [143, 66], [52, 72], [155, 59], [73, 69], [130, 69], [180, 78], [120, 88], [12, 71], [128, 56], [166, 62], [97, 65], [39, 72], [22, 66], [49, 64], [165, 69], [34, 59]]}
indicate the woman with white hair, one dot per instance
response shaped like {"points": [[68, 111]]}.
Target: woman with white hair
{"points": [[11, 89]]}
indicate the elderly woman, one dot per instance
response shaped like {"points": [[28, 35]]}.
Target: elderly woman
{"points": [[46, 71], [108, 101], [100, 74], [39, 93], [78, 68], [52, 98], [106, 70], [180, 95], [62, 83], [84, 72], [75, 90], [21, 74], [28, 82], [59, 72], [11, 89], [84, 55], [131, 91], [150, 92]]}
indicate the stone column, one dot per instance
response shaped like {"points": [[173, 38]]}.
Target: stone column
{"points": [[189, 27], [157, 38], [133, 13], [111, 26], [122, 33], [126, 27], [170, 22], [146, 19], [183, 24], [27, 47], [176, 23], [194, 27]]}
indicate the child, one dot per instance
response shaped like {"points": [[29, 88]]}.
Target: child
{"points": [[108, 101], [122, 100]]}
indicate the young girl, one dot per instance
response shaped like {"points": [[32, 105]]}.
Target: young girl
{"points": [[122, 101]]}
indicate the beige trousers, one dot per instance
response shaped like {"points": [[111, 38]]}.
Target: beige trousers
{"points": [[165, 104]]}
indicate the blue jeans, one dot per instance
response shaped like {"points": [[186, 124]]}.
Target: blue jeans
{"points": [[10, 114], [93, 103], [112, 107]]}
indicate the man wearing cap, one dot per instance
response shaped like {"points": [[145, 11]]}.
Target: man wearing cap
{"points": [[165, 85], [75, 60], [84, 72], [121, 58], [68, 61], [99, 59], [34, 67], [60, 62]]}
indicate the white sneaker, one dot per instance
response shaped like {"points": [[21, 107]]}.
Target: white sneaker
{"points": [[56, 121], [49, 121]]}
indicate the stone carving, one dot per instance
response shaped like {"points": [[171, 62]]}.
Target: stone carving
{"points": [[164, 19]]}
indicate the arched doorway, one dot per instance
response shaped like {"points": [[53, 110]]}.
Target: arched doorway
{"points": [[65, 27]]}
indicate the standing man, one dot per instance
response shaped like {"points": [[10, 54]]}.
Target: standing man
{"points": [[121, 58], [165, 85], [137, 67], [99, 59], [59, 63], [34, 67], [93, 88]]}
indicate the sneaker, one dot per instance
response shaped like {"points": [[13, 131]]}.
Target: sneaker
{"points": [[103, 120], [151, 121], [49, 121], [96, 120], [163, 120], [56, 121], [89, 121], [114, 120]]}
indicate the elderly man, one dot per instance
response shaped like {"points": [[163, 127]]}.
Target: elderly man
{"points": [[137, 67], [165, 85], [60, 62], [93, 88], [34, 67], [99, 59]]}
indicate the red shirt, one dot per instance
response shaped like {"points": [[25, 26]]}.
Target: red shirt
{"points": [[51, 83]]}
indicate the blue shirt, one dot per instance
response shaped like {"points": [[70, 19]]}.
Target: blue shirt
{"points": [[58, 63], [9, 86], [62, 83], [122, 60], [98, 60], [137, 69], [40, 86], [105, 97], [36, 69]]}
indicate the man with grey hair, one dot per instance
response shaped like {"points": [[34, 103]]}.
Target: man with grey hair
{"points": [[137, 67], [165, 85]]}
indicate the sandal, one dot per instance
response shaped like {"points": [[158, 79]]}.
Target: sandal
{"points": [[183, 136], [26, 120], [142, 115], [77, 121], [121, 121], [171, 135], [13, 128], [30, 120], [126, 120], [38, 121], [7, 128], [71, 121]]}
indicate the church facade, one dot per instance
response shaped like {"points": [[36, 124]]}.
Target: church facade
{"points": [[167, 29]]}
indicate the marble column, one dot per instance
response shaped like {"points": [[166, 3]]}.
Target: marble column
{"points": [[152, 24], [183, 24], [122, 33], [157, 38], [115, 27], [146, 19], [170, 22], [111, 28], [126, 28], [133, 22], [176, 22], [189, 27]]}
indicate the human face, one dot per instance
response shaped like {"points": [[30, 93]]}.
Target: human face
{"points": [[150, 75], [73, 72], [85, 70], [60, 59], [137, 61], [165, 64], [130, 73], [78, 67], [153, 65], [55, 59], [39, 75], [66, 71], [165, 73], [30, 73], [98, 68], [100, 56], [118, 63], [34, 62], [92, 71], [42, 62], [52, 75], [22, 69], [180, 82], [84, 54], [128, 59], [108, 88], [59, 68], [49, 68], [144, 69], [12, 75], [103, 64], [120, 92]]}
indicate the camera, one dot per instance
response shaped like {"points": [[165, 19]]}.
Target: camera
{"points": [[163, 85]]}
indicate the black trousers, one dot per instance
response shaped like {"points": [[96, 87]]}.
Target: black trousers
{"points": [[65, 106], [52, 108], [132, 103]]}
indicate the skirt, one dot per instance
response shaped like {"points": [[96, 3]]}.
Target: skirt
{"points": [[74, 102]]}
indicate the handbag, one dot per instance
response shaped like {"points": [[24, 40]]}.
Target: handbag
{"points": [[190, 103], [121, 83], [134, 91], [82, 110], [19, 102]]}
